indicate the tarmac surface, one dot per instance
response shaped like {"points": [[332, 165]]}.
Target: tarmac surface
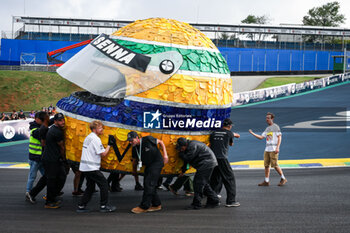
{"points": [[313, 200], [313, 125]]}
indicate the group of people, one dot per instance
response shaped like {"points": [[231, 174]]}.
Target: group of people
{"points": [[51, 111], [13, 116], [47, 155], [213, 170]]}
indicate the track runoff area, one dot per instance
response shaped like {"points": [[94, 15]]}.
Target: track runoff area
{"points": [[315, 134]]}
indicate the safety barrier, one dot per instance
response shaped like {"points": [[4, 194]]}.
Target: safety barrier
{"points": [[30, 68], [270, 93]]}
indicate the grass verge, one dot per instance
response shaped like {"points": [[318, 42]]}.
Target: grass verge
{"points": [[29, 90], [279, 81]]}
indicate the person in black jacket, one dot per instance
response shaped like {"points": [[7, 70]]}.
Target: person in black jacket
{"points": [[54, 161], [147, 153], [202, 158], [220, 140]]}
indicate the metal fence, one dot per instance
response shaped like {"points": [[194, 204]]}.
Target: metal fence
{"points": [[30, 68]]}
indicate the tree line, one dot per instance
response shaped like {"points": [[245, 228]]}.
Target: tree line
{"points": [[327, 15]]}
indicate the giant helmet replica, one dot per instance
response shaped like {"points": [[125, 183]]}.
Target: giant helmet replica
{"points": [[158, 77]]}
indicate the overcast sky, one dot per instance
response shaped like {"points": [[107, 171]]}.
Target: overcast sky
{"points": [[191, 11]]}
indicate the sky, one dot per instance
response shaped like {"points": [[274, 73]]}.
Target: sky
{"points": [[190, 11]]}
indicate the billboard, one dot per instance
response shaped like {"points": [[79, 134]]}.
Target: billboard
{"points": [[15, 130]]}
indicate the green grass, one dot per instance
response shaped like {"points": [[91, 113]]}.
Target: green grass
{"points": [[29, 90], [278, 81]]}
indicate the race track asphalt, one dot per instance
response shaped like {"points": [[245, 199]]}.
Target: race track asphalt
{"points": [[313, 200], [324, 107]]}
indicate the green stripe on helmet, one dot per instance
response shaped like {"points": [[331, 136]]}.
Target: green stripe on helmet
{"points": [[194, 59]]}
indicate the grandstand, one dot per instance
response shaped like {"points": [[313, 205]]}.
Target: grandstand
{"points": [[33, 37]]}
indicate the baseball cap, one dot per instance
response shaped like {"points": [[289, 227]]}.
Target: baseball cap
{"points": [[132, 135], [227, 122], [58, 116], [181, 142]]}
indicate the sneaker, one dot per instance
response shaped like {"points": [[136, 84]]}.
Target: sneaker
{"points": [[116, 189], [58, 198], [264, 183], [138, 187], [154, 208], [107, 208], [60, 194], [54, 205], [30, 198], [166, 186], [189, 193], [173, 190], [138, 210], [77, 193], [193, 207], [282, 182], [82, 209], [210, 205], [233, 204]]}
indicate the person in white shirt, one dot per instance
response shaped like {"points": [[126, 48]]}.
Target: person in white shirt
{"points": [[90, 163], [273, 137]]}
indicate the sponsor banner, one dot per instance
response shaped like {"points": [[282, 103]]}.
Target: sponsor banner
{"points": [[334, 80], [286, 90], [318, 83], [262, 94], [15, 130], [277, 92]]}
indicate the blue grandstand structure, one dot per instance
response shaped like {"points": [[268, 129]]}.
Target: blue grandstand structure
{"points": [[30, 44]]}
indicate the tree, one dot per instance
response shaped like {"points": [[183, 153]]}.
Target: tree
{"points": [[326, 15], [252, 19], [224, 36], [227, 36], [256, 19]]}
